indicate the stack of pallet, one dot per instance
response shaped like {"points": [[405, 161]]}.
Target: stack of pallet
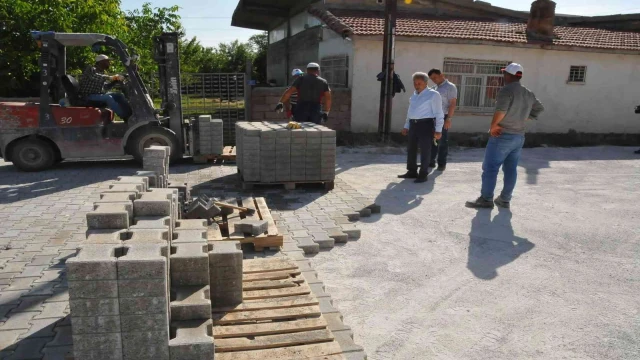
{"points": [[143, 282], [210, 137], [268, 152]]}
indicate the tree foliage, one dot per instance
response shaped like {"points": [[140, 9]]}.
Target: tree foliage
{"points": [[136, 28]]}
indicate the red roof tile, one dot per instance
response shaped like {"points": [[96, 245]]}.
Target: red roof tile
{"points": [[501, 32]]}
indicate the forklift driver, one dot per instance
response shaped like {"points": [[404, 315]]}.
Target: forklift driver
{"points": [[92, 87]]}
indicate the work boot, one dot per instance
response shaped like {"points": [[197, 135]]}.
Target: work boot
{"points": [[441, 168], [637, 152], [480, 203], [432, 164], [409, 175], [422, 178], [501, 203]]}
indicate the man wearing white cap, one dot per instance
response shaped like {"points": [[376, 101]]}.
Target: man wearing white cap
{"points": [[515, 104], [312, 90], [92, 87]]}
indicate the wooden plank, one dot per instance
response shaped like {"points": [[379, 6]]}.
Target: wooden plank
{"points": [[251, 266], [262, 315], [288, 353], [328, 357], [265, 214], [274, 303], [272, 284], [279, 327], [247, 201], [213, 232], [276, 275], [265, 240], [274, 341], [303, 289]]}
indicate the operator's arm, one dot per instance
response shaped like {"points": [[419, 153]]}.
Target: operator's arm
{"points": [[536, 109], [327, 101], [90, 72], [287, 94]]}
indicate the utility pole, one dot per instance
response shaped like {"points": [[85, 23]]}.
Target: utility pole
{"points": [[388, 64]]}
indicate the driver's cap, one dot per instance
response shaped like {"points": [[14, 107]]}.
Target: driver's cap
{"points": [[313, 66], [101, 57]]}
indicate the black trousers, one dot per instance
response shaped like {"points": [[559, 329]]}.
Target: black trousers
{"points": [[420, 135], [441, 150], [306, 111]]}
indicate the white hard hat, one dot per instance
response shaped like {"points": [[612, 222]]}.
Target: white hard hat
{"points": [[101, 57], [514, 69], [313, 66], [296, 72]]}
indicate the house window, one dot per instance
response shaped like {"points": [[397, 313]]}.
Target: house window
{"points": [[478, 82], [577, 74], [335, 69]]}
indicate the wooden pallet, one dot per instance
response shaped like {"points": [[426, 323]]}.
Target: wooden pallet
{"points": [[279, 318], [224, 230], [288, 185], [228, 155]]}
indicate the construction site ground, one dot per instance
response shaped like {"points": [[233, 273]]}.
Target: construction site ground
{"points": [[556, 277]]}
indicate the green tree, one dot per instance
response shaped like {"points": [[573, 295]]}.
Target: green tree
{"points": [[259, 44]]}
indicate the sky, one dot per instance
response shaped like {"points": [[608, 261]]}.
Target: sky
{"points": [[210, 20]]}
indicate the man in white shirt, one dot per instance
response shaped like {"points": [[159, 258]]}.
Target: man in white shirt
{"points": [[425, 116]]}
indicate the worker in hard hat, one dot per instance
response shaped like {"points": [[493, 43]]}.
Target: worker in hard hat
{"points": [[293, 100], [312, 91], [92, 87]]}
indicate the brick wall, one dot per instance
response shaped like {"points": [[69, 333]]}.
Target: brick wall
{"points": [[264, 100]]}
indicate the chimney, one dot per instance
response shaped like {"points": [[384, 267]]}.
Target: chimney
{"points": [[541, 20]]}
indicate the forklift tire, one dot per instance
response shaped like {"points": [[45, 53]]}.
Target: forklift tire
{"points": [[153, 135], [32, 155]]}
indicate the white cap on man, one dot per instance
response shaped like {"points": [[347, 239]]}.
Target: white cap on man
{"points": [[514, 69], [296, 72], [101, 57], [313, 66]]}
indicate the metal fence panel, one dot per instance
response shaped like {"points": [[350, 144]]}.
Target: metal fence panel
{"points": [[478, 82]]}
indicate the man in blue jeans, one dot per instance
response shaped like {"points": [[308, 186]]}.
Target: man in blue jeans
{"points": [[515, 104], [92, 87]]}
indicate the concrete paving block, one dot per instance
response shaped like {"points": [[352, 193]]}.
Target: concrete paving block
{"points": [[192, 340], [228, 272], [142, 261], [189, 236], [154, 153], [94, 307], [311, 277], [146, 322], [128, 206], [117, 197], [95, 324], [345, 339], [351, 230], [192, 224], [94, 262], [96, 342], [151, 204], [151, 176], [147, 236], [338, 235], [146, 345], [148, 288], [253, 227], [375, 208], [134, 180], [326, 305], [189, 257], [118, 187], [190, 303], [308, 245], [143, 305], [99, 289], [352, 215], [225, 254], [98, 355], [152, 222], [108, 216]]}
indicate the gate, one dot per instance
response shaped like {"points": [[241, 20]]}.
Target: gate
{"points": [[221, 95]]}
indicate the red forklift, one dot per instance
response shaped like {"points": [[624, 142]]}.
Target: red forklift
{"points": [[37, 135]]}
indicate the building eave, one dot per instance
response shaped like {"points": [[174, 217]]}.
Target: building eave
{"points": [[266, 14]]}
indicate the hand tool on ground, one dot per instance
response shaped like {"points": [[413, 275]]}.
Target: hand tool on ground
{"points": [[240, 208]]}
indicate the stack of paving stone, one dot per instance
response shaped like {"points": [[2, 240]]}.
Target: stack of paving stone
{"points": [[270, 153], [142, 283], [210, 137], [156, 159]]}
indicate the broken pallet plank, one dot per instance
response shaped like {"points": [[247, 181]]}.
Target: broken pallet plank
{"points": [[280, 327], [293, 352], [274, 341], [265, 214], [267, 265], [262, 315], [274, 303], [303, 289], [272, 284], [276, 275]]}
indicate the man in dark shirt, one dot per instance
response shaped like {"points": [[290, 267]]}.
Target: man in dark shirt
{"points": [[92, 87], [312, 91]]}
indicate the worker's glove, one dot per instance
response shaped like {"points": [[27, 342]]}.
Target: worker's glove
{"points": [[324, 117], [289, 115], [280, 107]]}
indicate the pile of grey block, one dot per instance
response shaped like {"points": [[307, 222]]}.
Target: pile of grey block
{"points": [[268, 152], [142, 284], [155, 163], [210, 137]]}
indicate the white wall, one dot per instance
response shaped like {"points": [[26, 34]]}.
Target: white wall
{"points": [[604, 104]]}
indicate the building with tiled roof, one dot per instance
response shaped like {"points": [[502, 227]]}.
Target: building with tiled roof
{"points": [[586, 70]]}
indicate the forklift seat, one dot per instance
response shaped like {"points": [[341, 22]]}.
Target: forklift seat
{"points": [[72, 88]]}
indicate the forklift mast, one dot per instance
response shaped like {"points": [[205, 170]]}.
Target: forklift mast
{"points": [[168, 59]]}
